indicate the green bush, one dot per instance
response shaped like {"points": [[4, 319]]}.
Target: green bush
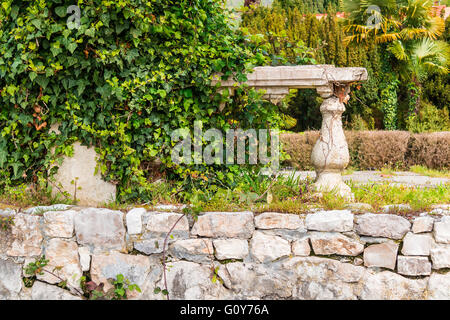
{"points": [[123, 81], [429, 119]]}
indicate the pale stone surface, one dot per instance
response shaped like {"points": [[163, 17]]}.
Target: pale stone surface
{"points": [[387, 285], [335, 243], [191, 281], [150, 246], [440, 256], [27, 236], [59, 223], [10, 279], [225, 225], [134, 220], [267, 248], [382, 225], [64, 262], [439, 286], [301, 247], [330, 155], [374, 240], [81, 168], [196, 250], [382, 255], [85, 258], [423, 224], [332, 221], [273, 220], [44, 291], [417, 244], [159, 224], [442, 230], [135, 268], [413, 266], [231, 249], [100, 229]]}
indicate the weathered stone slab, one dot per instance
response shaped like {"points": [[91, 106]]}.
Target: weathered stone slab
{"points": [[273, 220], [160, 223], [26, 236], [64, 262], [387, 285], [10, 279], [331, 221], [59, 224], [85, 258], [100, 229], [413, 266], [423, 224], [439, 286], [382, 225], [301, 247], [382, 255], [335, 243], [231, 249], [442, 230], [225, 225], [44, 291], [267, 248], [135, 268], [195, 250], [440, 256], [417, 244], [150, 246], [81, 168], [134, 220]]}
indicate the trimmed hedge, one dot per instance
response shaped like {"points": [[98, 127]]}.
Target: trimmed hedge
{"points": [[373, 150]]}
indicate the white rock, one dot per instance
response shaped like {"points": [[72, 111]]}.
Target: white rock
{"points": [[160, 223], [439, 286], [423, 224], [26, 236], [382, 255], [332, 221], [196, 250], [301, 247], [442, 230], [267, 248], [85, 258], [335, 243], [231, 249], [413, 266], [59, 223], [417, 244], [134, 220], [382, 225], [150, 246], [225, 225], [63, 262], [100, 229], [387, 285], [440, 256], [10, 279], [44, 291], [273, 220]]}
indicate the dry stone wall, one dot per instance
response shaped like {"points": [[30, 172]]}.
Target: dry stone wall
{"points": [[320, 255]]}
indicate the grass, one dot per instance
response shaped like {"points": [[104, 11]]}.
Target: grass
{"points": [[430, 172]]}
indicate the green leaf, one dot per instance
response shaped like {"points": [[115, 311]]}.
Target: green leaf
{"points": [[32, 76], [61, 11], [72, 47]]}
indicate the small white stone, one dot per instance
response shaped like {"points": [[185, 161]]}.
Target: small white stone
{"points": [[231, 249], [331, 221], [134, 220], [301, 247], [423, 224], [442, 230], [85, 258], [413, 266], [417, 244], [440, 256], [267, 248]]}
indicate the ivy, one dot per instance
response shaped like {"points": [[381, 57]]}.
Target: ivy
{"points": [[133, 72]]}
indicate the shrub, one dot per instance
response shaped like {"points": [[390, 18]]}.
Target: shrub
{"points": [[430, 149], [133, 72], [429, 119]]}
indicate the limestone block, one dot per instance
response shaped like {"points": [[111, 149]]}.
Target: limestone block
{"points": [[301, 247], [26, 236], [413, 266], [440, 256], [195, 250], [382, 225], [267, 248], [273, 220], [134, 220], [331, 221], [59, 223], [335, 243], [158, 224], [417, 244], [44, 291], [231, 249], [382, 255], [10, 279], [442, 230], [81, 168], [439, 286], [224, 225], [423, 224]]}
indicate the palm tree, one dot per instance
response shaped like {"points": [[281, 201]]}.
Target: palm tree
{"points": [[410, 33]]}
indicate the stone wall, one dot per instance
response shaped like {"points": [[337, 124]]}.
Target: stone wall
{"points": [[320, 255]]}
